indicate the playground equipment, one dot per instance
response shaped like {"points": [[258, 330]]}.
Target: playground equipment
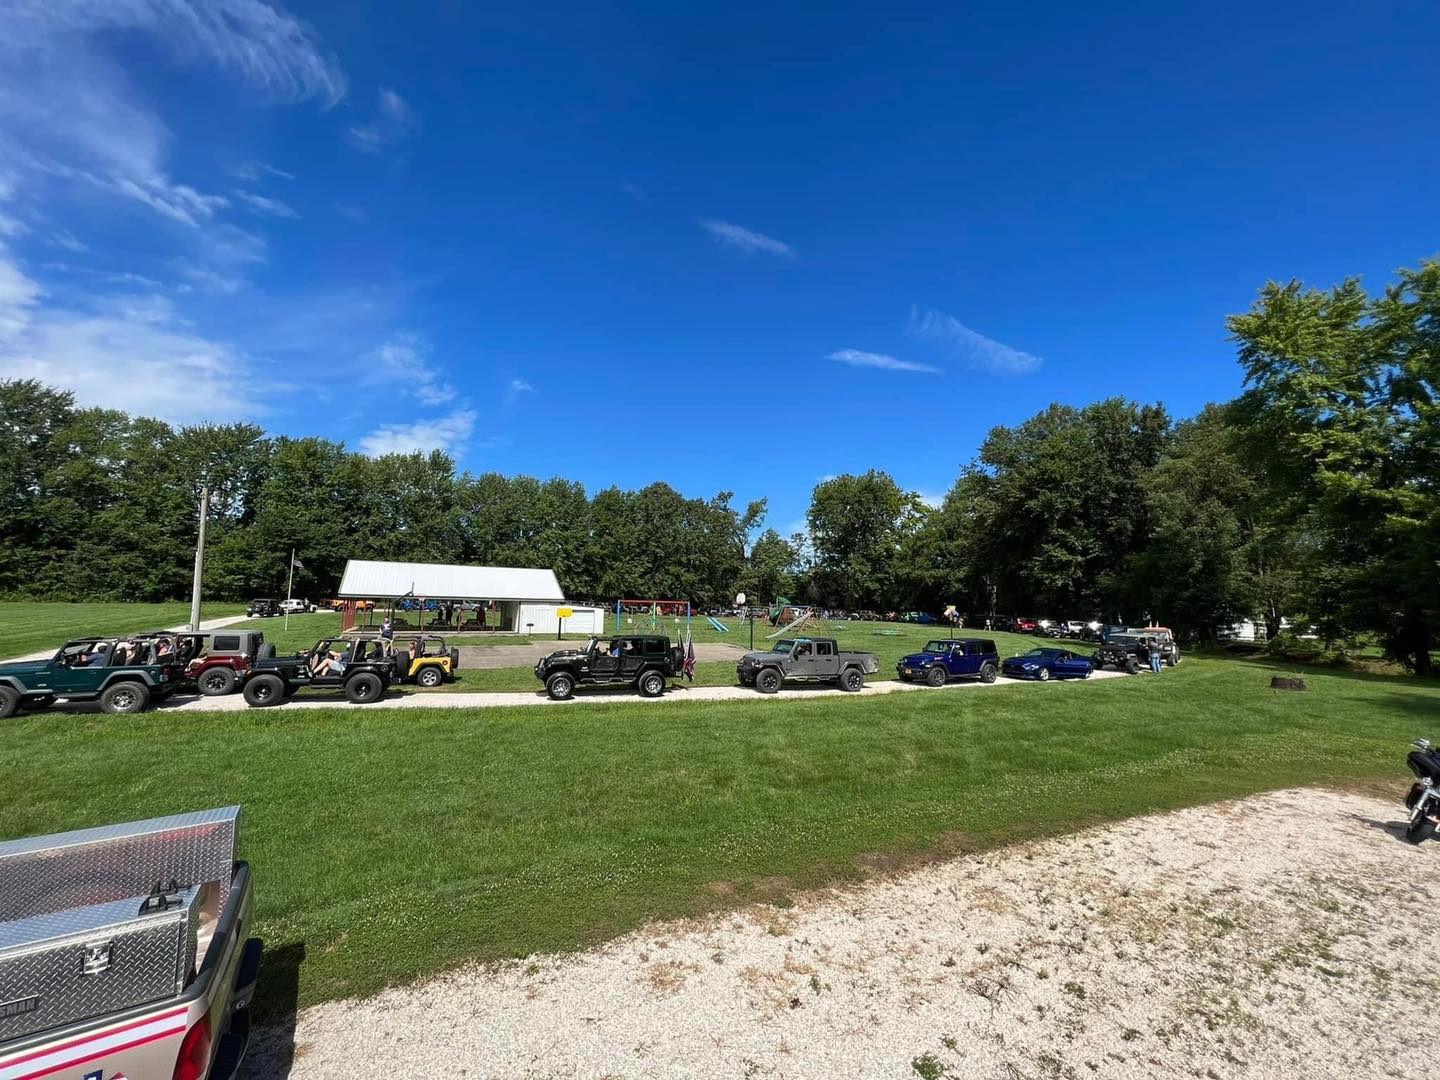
{"points": [[649, 618], [719, 626], [807, 619]]}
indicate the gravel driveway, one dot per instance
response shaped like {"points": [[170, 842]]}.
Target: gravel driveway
{"points": [[1286, 935]]}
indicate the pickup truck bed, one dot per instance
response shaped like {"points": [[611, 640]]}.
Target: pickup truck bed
{"points": [[102, 976]]}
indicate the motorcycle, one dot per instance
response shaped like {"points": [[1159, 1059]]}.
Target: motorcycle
{"points": [[1423, 801]]}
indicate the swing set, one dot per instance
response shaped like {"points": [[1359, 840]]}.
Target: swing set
{"points": [[647, 620]]}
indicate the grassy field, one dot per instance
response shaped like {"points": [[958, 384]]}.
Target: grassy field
{"points": [[30, 627], [389, 845]]}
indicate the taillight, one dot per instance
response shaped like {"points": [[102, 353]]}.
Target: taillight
{"points": [[194, 1060]]}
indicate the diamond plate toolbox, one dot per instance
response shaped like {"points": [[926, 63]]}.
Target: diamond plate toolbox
{"points": [[41, 875], [61, 967]]}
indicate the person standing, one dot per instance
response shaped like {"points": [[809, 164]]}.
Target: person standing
{"points": [[1156, 652], [387, 630]]}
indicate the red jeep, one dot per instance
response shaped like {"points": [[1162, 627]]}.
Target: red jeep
{"points": [[216, 661]]}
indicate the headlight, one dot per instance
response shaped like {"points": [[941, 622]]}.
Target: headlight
{"points": [[1028, 667]]}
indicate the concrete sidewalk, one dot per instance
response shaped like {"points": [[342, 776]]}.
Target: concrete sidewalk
{"points": [[677, 692]]}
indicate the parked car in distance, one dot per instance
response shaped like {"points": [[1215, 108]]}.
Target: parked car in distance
{"points": [[127, 951], [1119, 652], [940, 661], [1026, 626], [805, 660], [296, 607], [365, 672], [645, 661], [262, 609], [1046, 664], [124, 677]]}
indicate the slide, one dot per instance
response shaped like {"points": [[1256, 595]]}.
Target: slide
{"points": [[804, 617], [717, 624]]}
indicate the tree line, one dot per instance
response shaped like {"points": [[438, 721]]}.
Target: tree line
{"points": [[1310, 498]]}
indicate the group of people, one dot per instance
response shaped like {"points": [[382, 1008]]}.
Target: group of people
{"points": [[159, 650]]}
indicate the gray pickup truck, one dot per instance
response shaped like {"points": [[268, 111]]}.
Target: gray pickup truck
{"points": [[806, 660], [125, 951]]}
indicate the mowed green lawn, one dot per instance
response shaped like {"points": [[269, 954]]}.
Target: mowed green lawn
{"points": [[389, 844], [29, 627]]}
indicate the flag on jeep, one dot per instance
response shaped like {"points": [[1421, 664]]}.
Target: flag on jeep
{"points": [[688, 667]]}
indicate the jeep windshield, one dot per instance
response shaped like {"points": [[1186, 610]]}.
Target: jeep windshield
{"points": [[784, 645]]}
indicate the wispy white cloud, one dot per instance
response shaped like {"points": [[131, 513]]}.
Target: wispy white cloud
{"points": [[64, 238], [394, 122], [405, 362], [636, 192], [749, 241], [449, 433], [12, 226], [857, 358], [970, 346], [257, 171], [515, 389], [265, 206], [125, 351]]}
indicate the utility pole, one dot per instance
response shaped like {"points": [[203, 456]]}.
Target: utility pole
{"points": [[199, 561]]}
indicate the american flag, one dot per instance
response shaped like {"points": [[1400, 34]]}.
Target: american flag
{"points": [[688, 667]]}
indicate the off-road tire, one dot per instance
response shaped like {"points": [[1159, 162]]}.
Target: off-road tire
{"points": [[124, 697], [264, 690], [39, 704], [454, 659], [650, 684], [1170, 660], [935, 676], [1043, 674], [9, 702], [852, 679], [429, 677], [1132, 666], [216, 681], [560, 686], [768, 681], [363, 688], [987, 673]]}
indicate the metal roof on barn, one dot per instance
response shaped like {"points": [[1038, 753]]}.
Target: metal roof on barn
{"points": [[366, 579]]}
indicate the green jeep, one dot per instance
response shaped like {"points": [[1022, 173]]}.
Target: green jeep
{"points": [[124, 676]]}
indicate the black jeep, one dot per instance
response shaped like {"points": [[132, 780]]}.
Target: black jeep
{"points": [[645, 661], [1119, 652], [262, 609], [364, 670]]}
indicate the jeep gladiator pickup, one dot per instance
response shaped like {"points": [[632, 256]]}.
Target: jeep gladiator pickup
{"points": [[124, 676], [805, 660], [125, 952]]}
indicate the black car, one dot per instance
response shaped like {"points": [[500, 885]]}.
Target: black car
{"points": [[645, 661], [262, 609], [362, 669], [1117, 653]]}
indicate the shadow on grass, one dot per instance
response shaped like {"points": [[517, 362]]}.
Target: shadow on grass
{"points": [[277, 1006], [1270, 663]]}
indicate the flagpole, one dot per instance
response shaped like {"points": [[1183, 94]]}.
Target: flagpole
{"points": [[290, 588]]}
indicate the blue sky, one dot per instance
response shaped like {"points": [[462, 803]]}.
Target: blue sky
{"points": [[738, 247]]}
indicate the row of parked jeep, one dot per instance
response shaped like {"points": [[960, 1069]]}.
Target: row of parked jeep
{"points": [[129, 674]]}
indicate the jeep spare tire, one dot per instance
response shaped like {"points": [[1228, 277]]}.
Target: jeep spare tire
{"points": [[363, 688], [264, 690], [560, 685], [768, 680], [216, 681], [651, 684], [267, 650], [124, 697]]}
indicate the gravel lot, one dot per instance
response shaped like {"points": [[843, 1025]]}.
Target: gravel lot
{"points": [[1286, 935]]}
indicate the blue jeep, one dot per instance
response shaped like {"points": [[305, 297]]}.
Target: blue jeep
{"points": [[941, 661]]}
